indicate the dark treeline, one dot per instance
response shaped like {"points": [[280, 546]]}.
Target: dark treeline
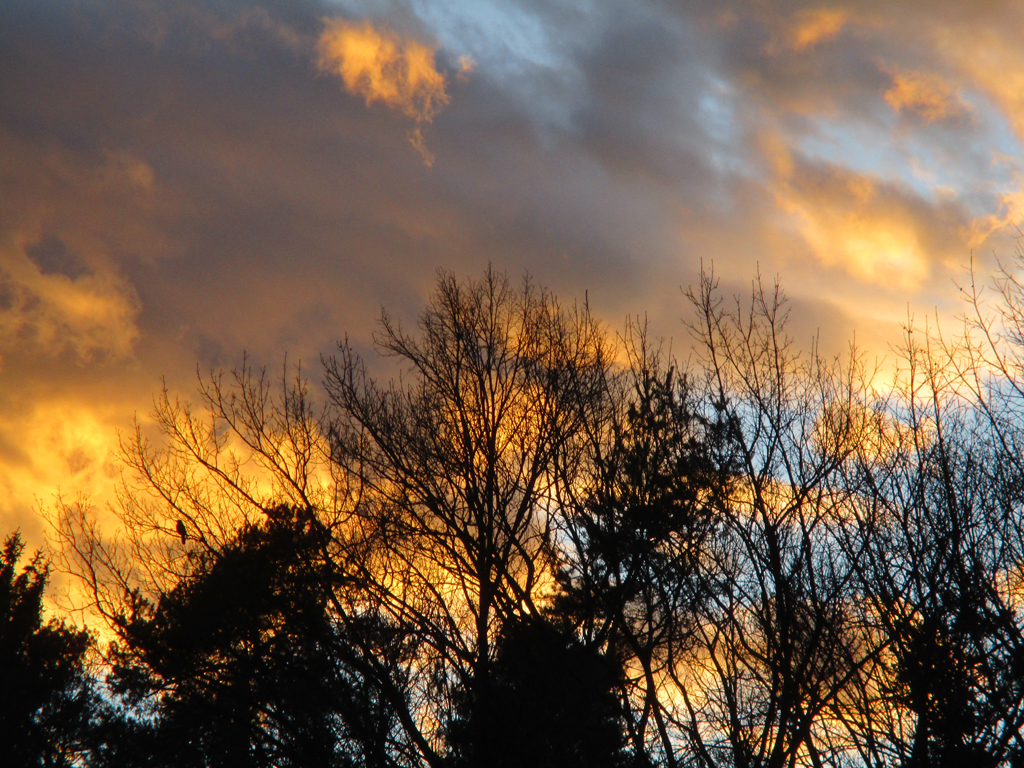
{"points": [[546, 545]]}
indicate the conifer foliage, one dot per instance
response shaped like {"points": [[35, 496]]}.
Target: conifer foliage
{"points": [[46, 697]]}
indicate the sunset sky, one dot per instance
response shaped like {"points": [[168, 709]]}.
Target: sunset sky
{"points": [[184, 181]]}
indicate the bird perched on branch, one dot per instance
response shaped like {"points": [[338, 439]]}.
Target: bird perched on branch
{"points": [[182, 532]]}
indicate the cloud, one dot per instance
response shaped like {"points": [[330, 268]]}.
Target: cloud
{"points": [[71, 215], [990, 58], [90, 316], [382, 66], [67, 447], [816, 26], [926, 95], [879, 233], [1008, 219], [176, 187]]}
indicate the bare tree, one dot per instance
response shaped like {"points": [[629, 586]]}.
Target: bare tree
{"points": [[936, 538], [776, 642], [251, 453], [458, 464], [250, 446]]}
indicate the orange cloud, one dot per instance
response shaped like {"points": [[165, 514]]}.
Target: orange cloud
{"points": [[466, 66], [816, 26], [992, 58], [926, 95], [873, 231], [91, 315], [381, 66], [1007, 219], [67, 448], [875, 251], [69, 221]]}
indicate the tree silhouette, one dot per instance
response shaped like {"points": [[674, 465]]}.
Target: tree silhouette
{"points": [[776, 644], [935, 557], [46, 697], [244, 663], [633, 580], [460, 463], [522, 551], [551, 701]]}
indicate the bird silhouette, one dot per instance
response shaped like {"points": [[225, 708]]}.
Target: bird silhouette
{"points": [[180, 527]]}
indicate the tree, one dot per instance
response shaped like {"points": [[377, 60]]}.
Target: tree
{"points": [[521, 551], [776, 644], [437, 494], [46, 696], [243, 662], [552, 703], [936, 558], [460, 462], [633, 578]]}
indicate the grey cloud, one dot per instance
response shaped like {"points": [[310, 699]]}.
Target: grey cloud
{"points": [[190, 158]]}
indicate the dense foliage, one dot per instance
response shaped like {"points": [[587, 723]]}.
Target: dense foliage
{"points": [[46, 696]]}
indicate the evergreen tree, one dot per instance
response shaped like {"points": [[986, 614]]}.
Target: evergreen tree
{"points": [[46, 697]]}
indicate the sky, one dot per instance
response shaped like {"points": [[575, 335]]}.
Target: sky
{"points": [[182, 182]]}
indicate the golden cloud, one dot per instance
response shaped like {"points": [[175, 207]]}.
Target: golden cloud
{"points": [[873, 231], [68, 449], [816, 26], [382, 66], [1006, 220], [89, 316], [70, 220], [925, 95], [883, 252], [992, 59]]}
